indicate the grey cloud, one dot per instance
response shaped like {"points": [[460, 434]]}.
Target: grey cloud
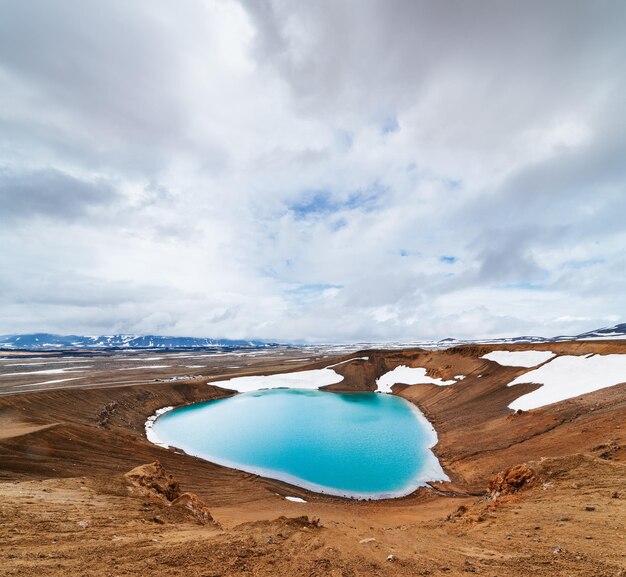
{"points": [[106, 86], [103, 62], [505, 258], [385, 55], [50, 193]]}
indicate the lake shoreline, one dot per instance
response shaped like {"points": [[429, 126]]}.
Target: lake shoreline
{"points": [[430, 471]]}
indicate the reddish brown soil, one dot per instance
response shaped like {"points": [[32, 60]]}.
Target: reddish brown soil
{"points": [[66, 507]]}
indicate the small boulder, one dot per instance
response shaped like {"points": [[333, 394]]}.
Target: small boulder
{"points": [[512, 480], [151, 480], [194, 507]]}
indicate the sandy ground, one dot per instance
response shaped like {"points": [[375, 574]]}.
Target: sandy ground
{"points": [[66, 506]]}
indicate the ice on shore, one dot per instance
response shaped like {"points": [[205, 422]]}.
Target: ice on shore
{"points": [[149, 426], [407, 376], [295, 499], [569, 376], [519, 358]]}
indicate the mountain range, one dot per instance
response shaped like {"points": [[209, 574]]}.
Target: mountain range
{"points": [[46, 340], [52, 341]]}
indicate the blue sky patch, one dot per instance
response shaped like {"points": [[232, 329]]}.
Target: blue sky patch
{"points": [[306, 292], [578, 264], [314, 202], [390, 125], [322, 202], [528, 286]]}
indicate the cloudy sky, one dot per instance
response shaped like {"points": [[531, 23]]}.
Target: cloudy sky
{"points": [[325, 171]]}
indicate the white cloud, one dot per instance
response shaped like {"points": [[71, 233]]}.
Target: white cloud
{"points": [[185, 148]]}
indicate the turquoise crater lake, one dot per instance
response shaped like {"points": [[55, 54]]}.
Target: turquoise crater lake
{"points": [[363, 445]]}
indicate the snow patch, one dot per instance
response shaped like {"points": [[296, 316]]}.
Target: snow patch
{"points": [[616, 336], [139, 359], [407, 376], [47, 372], [144, 367], [313, 379], [46, 362], [569, 376], [348, 361], [295, 499], [519, 358], [48, 382]]}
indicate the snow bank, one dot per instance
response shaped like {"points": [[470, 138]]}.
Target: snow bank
{"points": [[313, 379], [295, 499], [569, 376], [408, 376], [519, 358]]}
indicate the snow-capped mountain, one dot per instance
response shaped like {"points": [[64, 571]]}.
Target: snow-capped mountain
{"points": [[45, 340], [48, 341], [614, 332]]}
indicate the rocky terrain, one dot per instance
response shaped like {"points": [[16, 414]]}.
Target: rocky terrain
{"points": [[538, 492]]}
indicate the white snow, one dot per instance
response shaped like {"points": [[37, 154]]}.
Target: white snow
{"points": [[459, 377], [295, 499], [149, 426], [45, 363], [519, 358], [47, 372], [48, 382], [407, 376], [144, 367], [616, 336], [313, 379], [348, 361], [139, 359], [570, 376]]}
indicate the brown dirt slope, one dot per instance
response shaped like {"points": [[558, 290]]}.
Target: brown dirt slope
{"points": [[66, 506]]}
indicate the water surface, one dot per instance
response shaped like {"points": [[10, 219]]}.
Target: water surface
{"points": [[364, 445]]}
